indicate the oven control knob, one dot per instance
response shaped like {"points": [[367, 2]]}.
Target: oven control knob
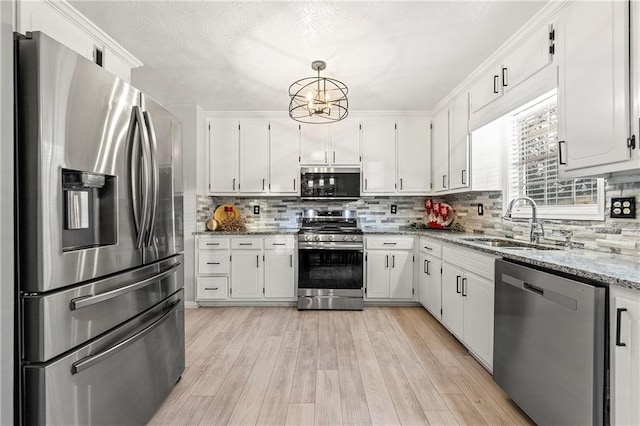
{"points": [[346, 237], [317, 238], [354, 238], [331, 238], [307, 237]]}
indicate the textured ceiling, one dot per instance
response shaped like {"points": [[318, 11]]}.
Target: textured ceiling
{"points": [[234, 56]]}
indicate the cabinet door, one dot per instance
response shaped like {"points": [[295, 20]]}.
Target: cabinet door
{"points": [[626, 393], [279, 280], [459, 142], [414, 156], [592, 43], [424, 266], [379, 156], [284, 149], [223, 156], [478, 296], [433, 279], [314, 141], [441, 151], [528, 58], [401, 275], [246, 274], [486, 89], [253, 157], [345, 143], [452, 303], [378, 274]]}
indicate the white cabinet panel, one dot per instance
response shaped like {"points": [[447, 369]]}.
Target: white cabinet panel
{"points": [[459, 142], [213, 262], [279, 280], [247, 275], [486, 89], [284, 149], [401, 275], [223, 156], [478, 295], [212, 288], [441, 151], [452, 302], [414, 156], [253, 154], [431, 284], [314, 144], [527, 59], [378, 275], [378, 156], [592, 42], [345, 143]]}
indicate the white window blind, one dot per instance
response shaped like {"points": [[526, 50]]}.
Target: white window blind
{"points": [[534, 166]]}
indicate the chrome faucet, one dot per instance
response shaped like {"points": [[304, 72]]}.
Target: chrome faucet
{"points": [[537, 230]]}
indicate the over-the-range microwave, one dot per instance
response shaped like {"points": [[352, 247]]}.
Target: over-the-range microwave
{"points": [[321, 183]]}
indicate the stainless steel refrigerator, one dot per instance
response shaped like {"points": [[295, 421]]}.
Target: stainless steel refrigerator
{"points": [[99, 242]]}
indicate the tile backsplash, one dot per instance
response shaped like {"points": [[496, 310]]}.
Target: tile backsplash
{"points": [[611, 235]]}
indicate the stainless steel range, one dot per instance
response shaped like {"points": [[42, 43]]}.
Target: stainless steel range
{"points": [[330, 256]]}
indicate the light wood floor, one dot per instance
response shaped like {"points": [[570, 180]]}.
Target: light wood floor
{"points": [[384, 366]]}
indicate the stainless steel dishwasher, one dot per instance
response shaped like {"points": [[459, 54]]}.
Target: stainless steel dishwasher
{"points": [[549, 345]]}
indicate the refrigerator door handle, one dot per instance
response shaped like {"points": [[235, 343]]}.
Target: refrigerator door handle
{"points": [[133, 163], [138, 161], [84, 301], [155, 179], [92, 360]]}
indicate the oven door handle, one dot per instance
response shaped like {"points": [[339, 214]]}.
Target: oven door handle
{"points": [[359, 249]]}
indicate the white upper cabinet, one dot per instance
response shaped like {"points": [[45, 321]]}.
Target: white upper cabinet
{"points": [[336, 144], [531, 56], [414, 156], [441, 151], [459, 142], [345, 143], [486, 89], [314, 144], [284, 145], [378, 157], [592, 46], [223, 156], [253, 157]]}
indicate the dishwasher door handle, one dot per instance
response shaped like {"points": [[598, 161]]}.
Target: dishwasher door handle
{"points": [[533, 289]]}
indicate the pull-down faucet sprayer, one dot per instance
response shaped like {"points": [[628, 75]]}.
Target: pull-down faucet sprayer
{"points": [[537, 230]]}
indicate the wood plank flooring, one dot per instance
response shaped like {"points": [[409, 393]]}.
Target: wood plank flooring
{"points": [[381, 366]]}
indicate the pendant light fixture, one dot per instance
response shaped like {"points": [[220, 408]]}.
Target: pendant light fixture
{"points": [[317, 100]]}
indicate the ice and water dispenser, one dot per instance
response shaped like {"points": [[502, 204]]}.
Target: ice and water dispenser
{"points": [[90, 210]]}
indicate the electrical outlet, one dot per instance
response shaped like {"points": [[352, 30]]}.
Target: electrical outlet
{"points": [[394, 209], [256, 209], [623, 208], [480, 209]]}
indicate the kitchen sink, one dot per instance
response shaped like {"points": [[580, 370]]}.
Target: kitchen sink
{"points": [[509, 244]]}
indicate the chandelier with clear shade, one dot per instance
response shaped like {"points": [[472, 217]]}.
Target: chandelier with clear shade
{"points": [[317, 100]]}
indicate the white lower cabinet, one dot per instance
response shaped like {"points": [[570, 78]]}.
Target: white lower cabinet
{"points": [[625, 356], [468, 299], [389, 273], [245, 268], [431, 284]]}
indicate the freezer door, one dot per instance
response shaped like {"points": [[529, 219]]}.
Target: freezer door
{"points": [[164, 236], [119, 379], [75, 220], [59, 321]]}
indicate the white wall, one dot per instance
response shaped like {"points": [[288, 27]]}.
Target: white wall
{"points": [[6, 214], [192, 117]]}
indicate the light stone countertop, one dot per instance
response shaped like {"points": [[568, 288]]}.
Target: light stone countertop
{"points": [[607, 268]]}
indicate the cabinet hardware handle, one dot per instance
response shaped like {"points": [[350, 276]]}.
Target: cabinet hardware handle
{"points": [[213, 263], [263, 184], [504, 77], [426, 266], [560, 152], [495, 83], [387, 263], [393, 259], [464, 177], [279, 244], [334, 156], [444, 177], [291, 261], [619, 312], [257, 260], [458, 283], [212, 244], [401, 183], [245, 244], [294, 184], [464, 287], [389, 244], [234, 184], [428, 248], [211, 288], [325, 157], [365, 184]]}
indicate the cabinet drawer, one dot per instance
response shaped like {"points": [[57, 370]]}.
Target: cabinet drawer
{"points": [[246, 243], [212, 288], [470, 260], [213, 243], [279, 242], [390, 243], [213, 262], [430, 247]]}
